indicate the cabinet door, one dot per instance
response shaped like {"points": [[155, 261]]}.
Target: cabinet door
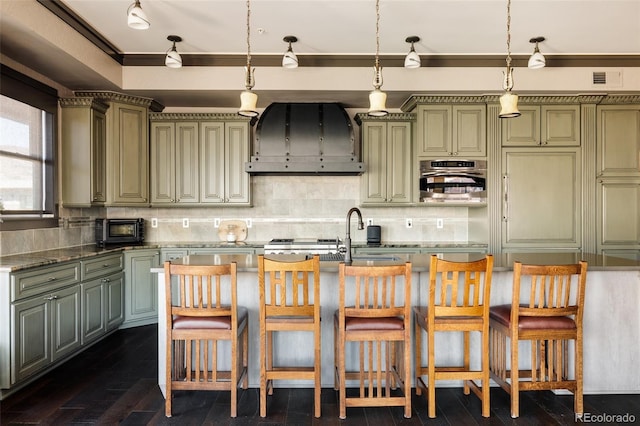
{"points": [[114, 300], [399, 176], [541, 197], [99, 156], [523, 130], [186, 158], [469, 131], [93, 324], [31, 338], [83, 152], [129, 154], [618, 140], [66, 322], [141, 287], [237, 182], [212, 170], [560, 125], [374, 154], [434, 127], [619, 214], [163, 163]]}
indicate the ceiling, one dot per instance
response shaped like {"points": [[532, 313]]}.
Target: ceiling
{"points": [[336, 28], [347, 27]]}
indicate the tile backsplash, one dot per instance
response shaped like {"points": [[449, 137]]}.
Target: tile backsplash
{"points": [[283, 207]]}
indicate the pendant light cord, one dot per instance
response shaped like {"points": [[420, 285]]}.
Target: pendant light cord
{"points": [[508, 81], [248, 33], [249, 75], [377, 33], [377, 76]]}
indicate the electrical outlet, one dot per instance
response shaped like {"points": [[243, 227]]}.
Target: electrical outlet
{"points": [[369, 222], [439, 223], [249, 223], [216, 222], [154, 222], [185, 223], [409, 223]]}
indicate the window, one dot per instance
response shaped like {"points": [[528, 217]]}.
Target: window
{"points": [[27, 147]]}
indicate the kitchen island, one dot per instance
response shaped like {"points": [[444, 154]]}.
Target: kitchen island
{"points": [[611, 321]]}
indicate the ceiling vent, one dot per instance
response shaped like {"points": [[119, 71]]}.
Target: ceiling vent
{"points": [[607, 78]]}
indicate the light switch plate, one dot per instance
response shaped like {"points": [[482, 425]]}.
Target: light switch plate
{"points": [[409, 223]]}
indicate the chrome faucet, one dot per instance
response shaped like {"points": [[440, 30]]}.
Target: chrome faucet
{"points": [[347, 240]]}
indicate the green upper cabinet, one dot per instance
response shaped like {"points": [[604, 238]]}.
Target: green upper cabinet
{"points": [[224, 150], [127, 134], [84, 152], [174, 163], [126, 168], [618, 140], [451, 130], [545, 125], [386, 151], [198, 159]]}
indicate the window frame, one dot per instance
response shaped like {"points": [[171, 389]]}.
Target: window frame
{"points": [[22, 88]]}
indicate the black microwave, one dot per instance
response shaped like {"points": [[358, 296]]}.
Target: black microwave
{"points": [[119, 231]]}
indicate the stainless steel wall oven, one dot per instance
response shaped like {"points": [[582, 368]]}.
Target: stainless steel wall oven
{"points": [[457, 181]]}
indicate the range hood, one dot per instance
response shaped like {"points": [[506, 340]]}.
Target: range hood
{"points": [[304, 138]]}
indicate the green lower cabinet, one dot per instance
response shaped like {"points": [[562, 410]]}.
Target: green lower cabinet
{"points": [[114, 301], [141, 287], [92, 310], [102, 306], [46, 328]]}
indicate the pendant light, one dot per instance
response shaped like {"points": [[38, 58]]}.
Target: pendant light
{"points": [[173, 58], [508, 101], [136, 18], [537, 59], [290, 60], [248, 99], [377, 98], [412, 60]]}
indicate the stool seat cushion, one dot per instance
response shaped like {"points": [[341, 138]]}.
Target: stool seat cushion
{"points": [[502, 314], [181, 322], [377, 323]]}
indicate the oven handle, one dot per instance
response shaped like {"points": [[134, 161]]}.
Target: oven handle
{"points": [[471, 174], [505, 198]]}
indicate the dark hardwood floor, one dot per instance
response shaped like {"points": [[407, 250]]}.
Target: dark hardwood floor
{"points": [[114, 382]]}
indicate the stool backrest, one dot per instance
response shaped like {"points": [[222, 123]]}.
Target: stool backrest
{"points": [[549, 290], [460, 288], [289, 288]]}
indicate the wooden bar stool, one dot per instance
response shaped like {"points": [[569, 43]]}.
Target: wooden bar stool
{"points": [[202, 311], [375, 314], [546, 310], [289, 301], [459, 296]]}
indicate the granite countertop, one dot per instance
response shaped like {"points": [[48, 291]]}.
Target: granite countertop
{"points": [[420, 262], [43, 258]]}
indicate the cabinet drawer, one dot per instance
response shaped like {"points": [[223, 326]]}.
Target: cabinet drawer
{"points": [[101, 265], [40, 280]]}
